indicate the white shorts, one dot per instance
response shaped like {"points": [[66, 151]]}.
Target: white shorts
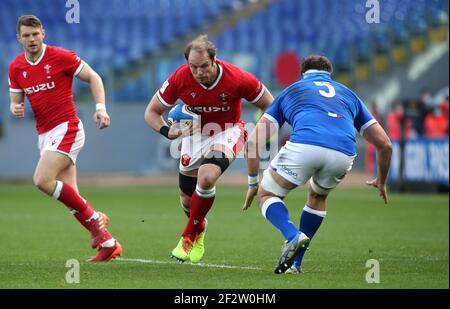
{"points": [[66, 138], [297, 163], [195, 147]]}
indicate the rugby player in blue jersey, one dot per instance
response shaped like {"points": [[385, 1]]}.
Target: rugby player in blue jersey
{"points": [[324, 115]]}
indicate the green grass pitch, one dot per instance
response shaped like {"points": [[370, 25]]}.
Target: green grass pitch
{"points": [[409, 237]]}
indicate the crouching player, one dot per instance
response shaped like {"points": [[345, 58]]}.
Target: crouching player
{"points": [[324, 115]]}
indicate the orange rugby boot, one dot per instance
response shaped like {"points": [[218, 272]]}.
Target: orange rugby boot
{"points": [[105, 254]]}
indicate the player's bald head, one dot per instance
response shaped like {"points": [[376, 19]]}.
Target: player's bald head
{"points": [[201, 45], [28, 21], [316, 62]]}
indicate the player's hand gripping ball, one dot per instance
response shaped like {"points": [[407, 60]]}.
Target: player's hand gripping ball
{"points": [[182, 121], [182, 116]]}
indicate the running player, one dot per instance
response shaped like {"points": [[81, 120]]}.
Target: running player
{"points": [[44, 74], [213, 89]]}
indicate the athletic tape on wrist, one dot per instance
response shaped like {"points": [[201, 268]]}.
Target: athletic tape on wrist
{"points": [[253, 180], [100, 107]]}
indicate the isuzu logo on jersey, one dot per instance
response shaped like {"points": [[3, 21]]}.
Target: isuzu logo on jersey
{"points": [[40, 87], [209, 109]]}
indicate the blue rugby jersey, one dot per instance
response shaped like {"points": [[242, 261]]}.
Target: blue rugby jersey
{"points": [[321, 112]]}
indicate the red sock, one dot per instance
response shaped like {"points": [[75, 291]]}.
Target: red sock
{"points": [[69, 197], [199, 208], [202, 226], [81, 217]]}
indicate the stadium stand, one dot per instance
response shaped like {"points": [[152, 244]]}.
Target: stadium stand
{"points": [[140, 42], [113, 34]]}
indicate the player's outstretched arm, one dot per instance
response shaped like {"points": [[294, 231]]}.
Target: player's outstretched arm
{"points": [[375, 135], [17, 105], [95, 82], [255, 145]]}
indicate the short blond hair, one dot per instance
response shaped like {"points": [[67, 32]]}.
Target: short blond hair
{"points": [[201, 44]]}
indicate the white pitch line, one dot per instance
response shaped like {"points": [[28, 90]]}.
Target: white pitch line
{"points": [[189, 263]]}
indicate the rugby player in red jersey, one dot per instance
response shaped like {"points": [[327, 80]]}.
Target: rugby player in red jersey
{"points": [[44, 74], [213, 89]]}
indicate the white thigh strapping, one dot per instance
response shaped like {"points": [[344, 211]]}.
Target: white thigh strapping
{"points": [[318, 189], [270, 185]]}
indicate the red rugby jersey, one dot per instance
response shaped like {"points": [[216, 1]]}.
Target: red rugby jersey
{"points": [[221, 102], [48, 85]]}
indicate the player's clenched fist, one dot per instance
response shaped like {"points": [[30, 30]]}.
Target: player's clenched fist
{"points": [[101, 118], [17, 109]]}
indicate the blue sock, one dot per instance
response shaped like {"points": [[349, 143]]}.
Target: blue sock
{"points": [[276, 212], [310, 221]]}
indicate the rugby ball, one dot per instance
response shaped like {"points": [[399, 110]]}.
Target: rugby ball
{"points": [[181, 115]]}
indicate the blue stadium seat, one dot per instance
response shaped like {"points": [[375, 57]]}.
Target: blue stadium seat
{"points": [[114, 33]]}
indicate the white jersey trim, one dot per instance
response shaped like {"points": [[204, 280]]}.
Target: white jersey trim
{"points": [[259, 95], [366, 125], [275, 122], [316, 72], [162, 100], [80, 67], [217, 80], [44, 47], [16, 90]]}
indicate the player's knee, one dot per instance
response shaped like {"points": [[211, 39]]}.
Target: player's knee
{"points": [[207, 175], [263, 195], [206, 181], [42, 182]]}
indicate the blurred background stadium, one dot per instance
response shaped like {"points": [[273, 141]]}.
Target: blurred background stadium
{"points": [[397, 64]]}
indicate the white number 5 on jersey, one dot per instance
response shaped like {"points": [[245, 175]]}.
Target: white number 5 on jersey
{"points": [[331, 92]]}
